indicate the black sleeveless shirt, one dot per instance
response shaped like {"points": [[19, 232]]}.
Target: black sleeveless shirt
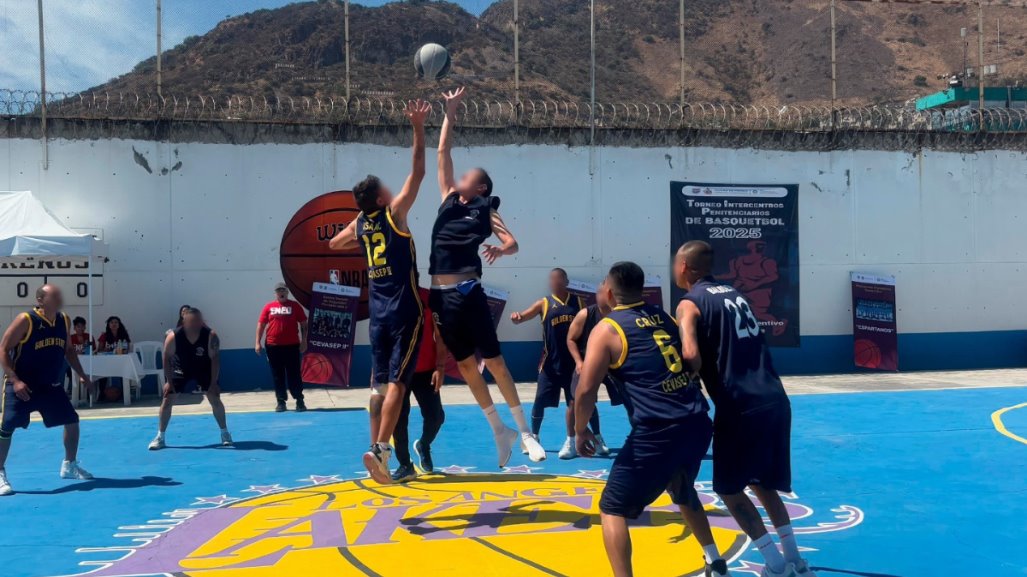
{"points": [[459, 231], [192, 360]]}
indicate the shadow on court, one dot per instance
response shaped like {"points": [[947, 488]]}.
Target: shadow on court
{"points": [[101, 483], [850, 572], [237, 446]]}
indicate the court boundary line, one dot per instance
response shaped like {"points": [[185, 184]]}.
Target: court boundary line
{"points": [[996, 421]]}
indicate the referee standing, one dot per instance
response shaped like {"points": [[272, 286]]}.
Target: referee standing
{"points": [[283, 328]]}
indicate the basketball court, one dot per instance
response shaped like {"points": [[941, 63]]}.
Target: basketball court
{"points": [[900, 483]]}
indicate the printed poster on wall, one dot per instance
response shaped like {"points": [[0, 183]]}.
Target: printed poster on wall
{"points": [[497, 304], [332, 326], [652, 291], [754, 230], [874, 329], [583, 290]]}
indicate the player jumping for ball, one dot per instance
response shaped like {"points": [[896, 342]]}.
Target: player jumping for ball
{"points": [[556, 371], [34, 349], [722, 339], [670, 428], [394, 305], [468, 216], [192, 355]]}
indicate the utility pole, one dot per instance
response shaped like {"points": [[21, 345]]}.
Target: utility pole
{"points": [[345, 12], [42, 86], [592, 108], [834, 57], [517, 53], [160, 31], [681, 35], [980, 55]]}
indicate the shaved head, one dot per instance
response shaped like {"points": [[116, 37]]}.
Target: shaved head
{"points": [[698, 255]]}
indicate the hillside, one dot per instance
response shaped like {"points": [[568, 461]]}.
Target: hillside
{"points": [[767, 52]]}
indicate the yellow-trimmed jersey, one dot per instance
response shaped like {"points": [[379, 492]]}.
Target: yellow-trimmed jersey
{"points": [[654, 376], [39, 356], [391, 267]]}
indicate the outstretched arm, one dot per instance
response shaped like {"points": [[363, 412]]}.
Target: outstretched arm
{"points": [[688, 320], [529, 313], [346, 239], [509, 247], [417, 111], [447, 182]]}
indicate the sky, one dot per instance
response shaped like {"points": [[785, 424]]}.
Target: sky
{"points": [[91, 41]]}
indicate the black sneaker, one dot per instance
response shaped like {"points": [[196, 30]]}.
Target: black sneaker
{"points": [[717, 569], [404, 473], [280, 407], [300, 406], [423, 452]]}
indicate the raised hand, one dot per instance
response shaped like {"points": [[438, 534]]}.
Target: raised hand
{"points": [[491, 253], [453, 99], [417, 111]]}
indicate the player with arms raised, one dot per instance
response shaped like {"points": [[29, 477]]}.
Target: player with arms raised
{"points": [[723, 341], [469, 215], [670, 429], [394, 304]]}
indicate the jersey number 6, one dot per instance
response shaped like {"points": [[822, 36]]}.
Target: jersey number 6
{"points": [[670, 354]]}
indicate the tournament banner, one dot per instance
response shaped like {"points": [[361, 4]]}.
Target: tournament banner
{"points": [[497, 304], [583, 290], [874, 329], [332, 324], [652, 292], [754, 230]]}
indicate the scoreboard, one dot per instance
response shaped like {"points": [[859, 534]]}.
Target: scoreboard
{"points": [[20, 278]]}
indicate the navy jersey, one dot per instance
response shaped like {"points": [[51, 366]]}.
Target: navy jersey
{"points": [[391, 267], [592, 317], [192, 359], [39, 357], [557, 317], [650, 366], [459, 231], [736, 365]]}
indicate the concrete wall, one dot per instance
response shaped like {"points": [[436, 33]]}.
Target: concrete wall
{"points": [[201, 224]]}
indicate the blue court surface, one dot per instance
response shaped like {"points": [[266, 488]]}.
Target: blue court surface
{"points": [[887, 484]]}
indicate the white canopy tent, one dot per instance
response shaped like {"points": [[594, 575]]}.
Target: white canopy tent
{"points": [[29, 231]]}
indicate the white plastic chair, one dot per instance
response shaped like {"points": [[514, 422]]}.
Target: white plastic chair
{"points": [[147, 352]]}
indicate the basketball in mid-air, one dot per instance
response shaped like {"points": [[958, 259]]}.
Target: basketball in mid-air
{"points": [[432, 62]]}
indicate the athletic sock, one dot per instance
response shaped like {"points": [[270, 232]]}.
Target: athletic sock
{"points": [[788, 544], [518, 416], [494, 421], [711, 552], [537, 413], [593, 422], [160, 434], [771, 556], [223, 431]]}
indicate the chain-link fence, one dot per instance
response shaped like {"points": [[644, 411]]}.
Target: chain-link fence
{"points": [[772, 64]]}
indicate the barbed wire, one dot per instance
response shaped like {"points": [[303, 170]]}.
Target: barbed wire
{"points": [[798, 126]]}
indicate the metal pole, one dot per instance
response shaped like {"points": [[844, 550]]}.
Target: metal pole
{"points": [[834, 57], [681, 37], [160, 30], [346, 28], [91, 351], [592, 108], [42, 86], [517, 51], [980, 55]]}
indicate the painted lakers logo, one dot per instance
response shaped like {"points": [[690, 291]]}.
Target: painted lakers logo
{"points": [[462, 524]]}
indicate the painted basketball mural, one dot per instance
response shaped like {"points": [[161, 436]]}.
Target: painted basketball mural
{"points": [[305, 257], [466, 524]]}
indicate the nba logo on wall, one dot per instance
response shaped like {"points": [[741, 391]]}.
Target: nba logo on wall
{"points": [[305, 256]]}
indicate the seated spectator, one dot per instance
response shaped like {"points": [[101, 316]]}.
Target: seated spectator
{"points": [[114, 333], [80, 339]]}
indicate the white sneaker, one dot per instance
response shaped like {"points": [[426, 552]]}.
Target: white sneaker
{"points": [[71, 470], [157, 443], [788, 571], [376, 461], [568, 450], [226, 439], [505, 442], [601, 449], [802, 569], [524, 448], [535, 451], [5, 487]]}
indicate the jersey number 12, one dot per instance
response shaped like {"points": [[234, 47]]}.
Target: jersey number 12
{"points": [[375, 245]]}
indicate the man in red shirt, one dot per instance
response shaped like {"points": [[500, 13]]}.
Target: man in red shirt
{"points": [[285, 324], [427, 380]]}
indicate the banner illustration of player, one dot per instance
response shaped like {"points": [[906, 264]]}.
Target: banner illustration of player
{"points": [[497, 304], [333, 320], [874, 327], [755, 231]]}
